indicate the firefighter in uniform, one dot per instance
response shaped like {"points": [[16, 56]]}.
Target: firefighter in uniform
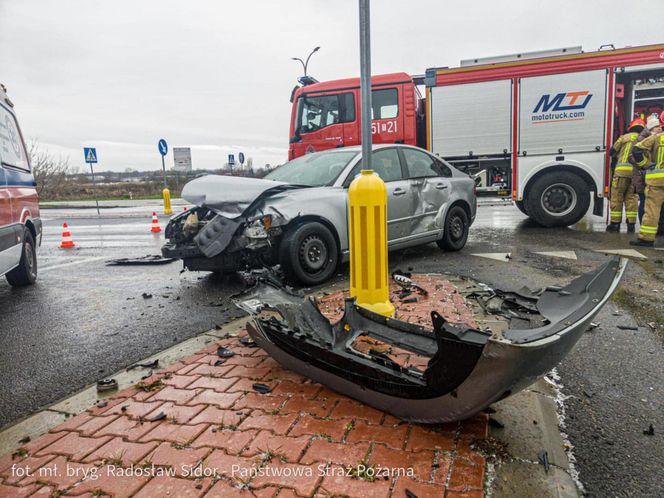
{"points": [[622, 190], [649, 155]]}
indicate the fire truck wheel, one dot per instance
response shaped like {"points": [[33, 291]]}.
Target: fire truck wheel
{"points": [[522, 207], [455, 234], [26, 271], [309, 254], [558, 199]]}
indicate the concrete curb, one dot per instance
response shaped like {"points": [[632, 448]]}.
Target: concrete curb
{"points": [[530, 423]]}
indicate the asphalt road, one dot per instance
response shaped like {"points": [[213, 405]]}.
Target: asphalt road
{"points": [[84, 320]]}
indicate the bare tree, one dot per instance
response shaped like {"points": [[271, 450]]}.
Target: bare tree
{"points": [[50, 172]]}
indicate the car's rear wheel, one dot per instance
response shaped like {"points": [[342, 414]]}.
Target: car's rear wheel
{"points": [[26, 271], [456, 230], [309, 253]]}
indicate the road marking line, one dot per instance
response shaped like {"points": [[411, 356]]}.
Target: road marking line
{"points": [[72, 263], [630, 253], [559, 254], [497, 256]]}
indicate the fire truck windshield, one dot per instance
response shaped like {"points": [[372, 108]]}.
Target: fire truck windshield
{"points": [[314, 113]]}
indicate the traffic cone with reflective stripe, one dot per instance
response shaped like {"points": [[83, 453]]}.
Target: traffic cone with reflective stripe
{"points": [[155, 223], [66, 238]]}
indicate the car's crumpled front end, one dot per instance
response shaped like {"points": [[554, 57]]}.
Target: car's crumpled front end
{"points": [[467, 368], [228, 229]]}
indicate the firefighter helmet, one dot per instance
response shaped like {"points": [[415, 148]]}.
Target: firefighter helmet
{"points": [[636, 122]]}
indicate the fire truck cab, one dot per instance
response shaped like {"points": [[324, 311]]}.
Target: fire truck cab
{"points": [[537, 126], [20, 225]]}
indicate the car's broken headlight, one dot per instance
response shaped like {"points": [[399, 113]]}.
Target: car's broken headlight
{"points": [[257, 229]]}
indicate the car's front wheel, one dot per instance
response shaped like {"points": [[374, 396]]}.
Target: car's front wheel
{"points": [[456, 230], [309, 253], [26, 271]]}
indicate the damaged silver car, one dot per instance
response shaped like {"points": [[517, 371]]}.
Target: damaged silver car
{"points": [[297, 215]]}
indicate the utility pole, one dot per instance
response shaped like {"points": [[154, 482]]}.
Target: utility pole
{"points": [[367, 204], [365, 81]]}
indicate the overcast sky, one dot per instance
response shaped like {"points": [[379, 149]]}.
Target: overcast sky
{"points": [[216, 75]]}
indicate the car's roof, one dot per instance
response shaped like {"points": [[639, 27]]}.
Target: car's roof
{"points": [[358, 148]]}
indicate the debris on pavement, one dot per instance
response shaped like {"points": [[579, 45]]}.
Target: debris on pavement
{"points": [[650, 431], [261, 388], [543, 457], [628, 327], [445, 361], [152, 364], [144, 260], [158, 417], [146, 295], [248, 341], [407, 283], [224, 353], [104, 385]]}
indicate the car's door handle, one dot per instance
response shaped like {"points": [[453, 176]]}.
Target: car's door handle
{"points": [[441, 186], [398, 191]]}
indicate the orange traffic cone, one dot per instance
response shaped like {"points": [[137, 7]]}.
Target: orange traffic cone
{"points": [[155, 223], [66, 238]]}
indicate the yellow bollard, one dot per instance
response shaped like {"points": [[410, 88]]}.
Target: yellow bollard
{"points": [[367, 207], [167, 201]]}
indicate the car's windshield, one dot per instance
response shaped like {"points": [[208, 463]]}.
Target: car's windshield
{"points": [[313, 170]]}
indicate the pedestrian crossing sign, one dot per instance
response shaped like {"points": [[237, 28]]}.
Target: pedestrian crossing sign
{"points": [[90, 155]]}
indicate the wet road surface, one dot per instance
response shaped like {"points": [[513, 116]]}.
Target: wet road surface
{"points": [[84, 320]]}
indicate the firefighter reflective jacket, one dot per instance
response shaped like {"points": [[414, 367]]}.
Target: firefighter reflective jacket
{"points": [[649, 155], [622, 148]]}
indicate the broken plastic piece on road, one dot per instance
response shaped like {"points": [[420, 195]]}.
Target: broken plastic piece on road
{"points": [[248, 341], [158, 417], [151, 259], [408, 283], [152, 364], [224, 353], [261, 388], [543, 457], [106, 385], [463, 369]]}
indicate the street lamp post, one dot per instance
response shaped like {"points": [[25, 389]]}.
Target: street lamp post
{"points": [[306, 63]]}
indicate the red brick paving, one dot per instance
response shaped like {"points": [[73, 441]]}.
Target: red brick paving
{"points": [[294, 441]]}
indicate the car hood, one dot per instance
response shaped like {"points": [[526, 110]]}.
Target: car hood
{"points": [[229, 196]]}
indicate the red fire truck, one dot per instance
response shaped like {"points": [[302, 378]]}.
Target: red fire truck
{"points": [[537, 125]]}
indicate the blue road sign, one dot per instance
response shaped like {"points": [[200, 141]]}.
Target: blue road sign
{"points": [[90, 154], [240, 157], [231, 159], [163, 147]]}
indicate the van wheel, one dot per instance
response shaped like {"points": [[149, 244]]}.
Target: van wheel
{"points": [[455, 233], [309, 254], [558, 199], [26, 271]]}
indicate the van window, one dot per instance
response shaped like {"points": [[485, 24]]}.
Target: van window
{"points": [[12, 150], [384, 104], [318, 112]]}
